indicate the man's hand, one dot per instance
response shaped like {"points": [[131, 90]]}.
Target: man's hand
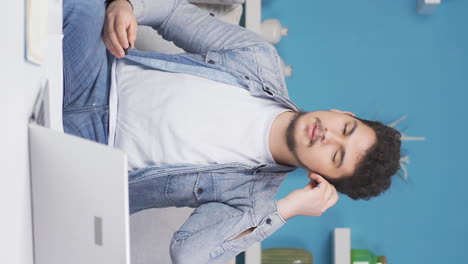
{"points": [[120, 27], [312, 200]]}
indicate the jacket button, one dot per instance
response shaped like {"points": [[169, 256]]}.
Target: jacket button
{"points": [[267, 90], [247, 77], [211, 14], [268, 221], [211, 62], [200, 191]]}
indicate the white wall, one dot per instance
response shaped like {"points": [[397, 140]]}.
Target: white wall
{"points": [[19, 84]]}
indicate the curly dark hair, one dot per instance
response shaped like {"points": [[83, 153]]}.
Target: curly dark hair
{"points": [[373, 173]]}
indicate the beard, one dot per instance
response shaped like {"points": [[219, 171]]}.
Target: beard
{"points": [[290, 140]]}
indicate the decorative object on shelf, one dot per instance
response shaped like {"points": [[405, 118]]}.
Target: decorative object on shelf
{"points": [[218, 2], [286, 256], [405, 159], [272, 31], [287, 69], [426, 7], [364, 256], [37, 17]]}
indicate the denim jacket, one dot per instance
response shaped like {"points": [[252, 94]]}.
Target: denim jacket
{"points": [[229, 198]]}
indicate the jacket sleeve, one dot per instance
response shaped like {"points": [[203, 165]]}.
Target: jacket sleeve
{"points": [[206, 235], [191, 28]]}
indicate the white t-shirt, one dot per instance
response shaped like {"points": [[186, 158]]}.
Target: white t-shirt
{"points": [[161, 118]]}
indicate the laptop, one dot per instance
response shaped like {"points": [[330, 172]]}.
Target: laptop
{"points": [[79, 198]]}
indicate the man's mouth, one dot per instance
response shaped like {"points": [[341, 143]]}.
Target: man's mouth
{"points": [[314, 131]]}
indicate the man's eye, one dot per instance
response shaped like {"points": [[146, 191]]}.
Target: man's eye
{"points": [[345, 128], [334, 156]]}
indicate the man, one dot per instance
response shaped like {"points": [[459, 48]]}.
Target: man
{"points": [[213, 128]]}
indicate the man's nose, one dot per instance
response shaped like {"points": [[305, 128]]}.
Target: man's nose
{"points": [[331, 136]]}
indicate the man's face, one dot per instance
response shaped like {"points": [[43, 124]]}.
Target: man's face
{"points": [[329, 143]]}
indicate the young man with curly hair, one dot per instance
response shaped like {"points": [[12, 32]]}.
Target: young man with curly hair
{"points": [[212, 128]]}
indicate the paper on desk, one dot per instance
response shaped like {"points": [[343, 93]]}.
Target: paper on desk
{"points": [[37, 13], [41, 109]]}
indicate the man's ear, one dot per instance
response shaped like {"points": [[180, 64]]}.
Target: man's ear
{"points": [[342, 112]]}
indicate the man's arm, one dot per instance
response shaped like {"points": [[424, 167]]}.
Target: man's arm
{"points": [[211, 233], [189, 27], [312, 200]]}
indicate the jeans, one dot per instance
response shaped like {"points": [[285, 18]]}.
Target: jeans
{"points": [[86, 71]]}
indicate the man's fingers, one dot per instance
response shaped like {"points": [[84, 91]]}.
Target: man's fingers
{"points": [[316, 177], [132, 34], [332, 201], [333, 197], [328, 192], [110, 37], [121, 32], [116, 47], [313, 184], [321, 192], [310, 185]]}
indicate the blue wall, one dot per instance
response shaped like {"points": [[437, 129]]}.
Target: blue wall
{"points": [[381, 60]]}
